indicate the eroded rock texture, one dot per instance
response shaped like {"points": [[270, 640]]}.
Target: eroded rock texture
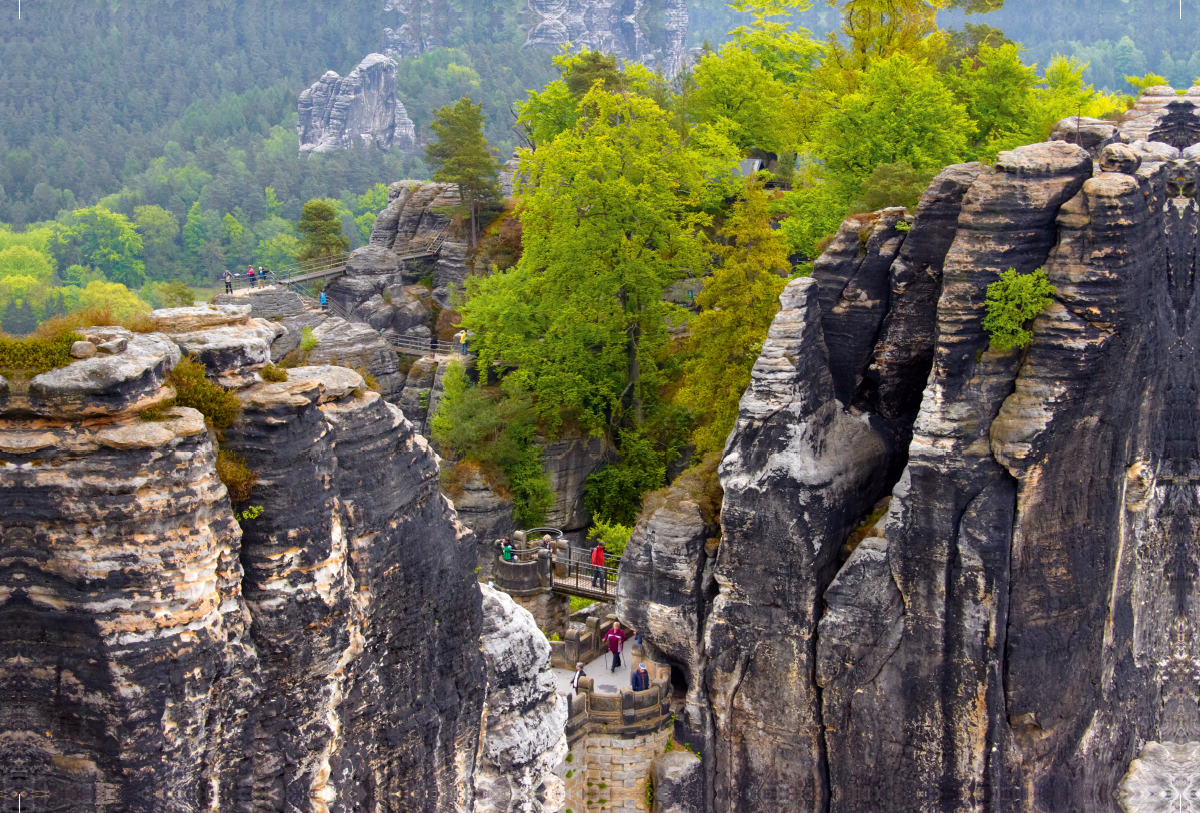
{"points": [[156, 656], [1028, 621], [524, 738], [351, 112]]}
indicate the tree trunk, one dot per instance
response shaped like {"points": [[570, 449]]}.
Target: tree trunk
{"points": [[474, 230], [635, 334]]}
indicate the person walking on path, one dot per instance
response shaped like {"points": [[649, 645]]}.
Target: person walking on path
{"points": [[598, 565], [615, 638], [250, 274], [228, 282], [324, 302], [640, 681], [575, 678]]}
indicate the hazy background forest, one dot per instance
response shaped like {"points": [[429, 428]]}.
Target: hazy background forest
{"points": [[180, 116]]}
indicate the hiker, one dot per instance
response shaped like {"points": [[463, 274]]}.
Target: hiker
{"points": [[324, 302], [545, 543], [228, 282], [250, 274], [598, 565], [575, 678], [462, 341], [615, 638], [262, 278], [507, 551], [641, 679]]}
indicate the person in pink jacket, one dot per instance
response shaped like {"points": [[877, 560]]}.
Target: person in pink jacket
{"points": [[615, 638]]}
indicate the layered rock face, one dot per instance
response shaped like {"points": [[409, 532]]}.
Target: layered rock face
{"points": [[378, 283], [340, 113], [155, 655], [652, 32], [1028, 620]]}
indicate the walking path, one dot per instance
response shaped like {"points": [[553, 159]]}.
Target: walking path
{"points": [[606, 682]]}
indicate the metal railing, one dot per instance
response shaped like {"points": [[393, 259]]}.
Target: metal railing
{"points": [[431, 247]]}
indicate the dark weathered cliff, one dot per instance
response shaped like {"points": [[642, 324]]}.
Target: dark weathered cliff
{"points": [[155, 655], [1027, 621]]}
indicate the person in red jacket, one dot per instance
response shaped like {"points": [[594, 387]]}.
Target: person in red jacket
{"points": [[598, 565], [615, 638]]}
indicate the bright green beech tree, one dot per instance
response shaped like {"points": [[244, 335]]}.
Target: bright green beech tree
{"points": [[608, 224]]}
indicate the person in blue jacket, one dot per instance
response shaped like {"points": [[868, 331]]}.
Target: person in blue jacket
{"points": [[324, 302], [641, 679]]}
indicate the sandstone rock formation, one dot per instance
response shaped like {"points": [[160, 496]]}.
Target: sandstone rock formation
{"points": [[652, 32], [525, 716], [345, 113], [1027, 622], [154, 654], [285, 315]]}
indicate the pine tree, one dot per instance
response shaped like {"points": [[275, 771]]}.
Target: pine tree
{"points": [[19, 319], [322, 232], [461, 156]]}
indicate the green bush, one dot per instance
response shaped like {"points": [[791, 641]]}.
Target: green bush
{"points": [[497, 430], [614, 494], [239, 478], [219, 406], [32, 356], [1012, 303], [308, 342], [273, 374], [614, 536]]}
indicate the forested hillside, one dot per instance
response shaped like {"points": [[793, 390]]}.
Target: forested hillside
{"points": [[1116, 37]]}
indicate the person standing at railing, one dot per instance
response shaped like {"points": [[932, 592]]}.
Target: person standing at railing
{"points": [[506, 552], [250, 274], [640, 681], [324, 302], [575, 678], [228, 282], [598, 565], [262, 278]]}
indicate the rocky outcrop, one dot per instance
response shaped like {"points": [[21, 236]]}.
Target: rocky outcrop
{"points": [[281, 316], [567, 463], [525, 717], [1022, 625], [350, 113], [678, 783], [652, 32], [156, 655]]}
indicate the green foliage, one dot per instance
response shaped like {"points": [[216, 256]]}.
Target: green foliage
{"points": [[579, 603], [110, 296], [1140, 83], [737, 304], [609, 226], [614, 536], [736, 94], [273, 374], [219, 406], [321, 231], [24, 358], [901, 112], [308, 342], [461, 156], [497, 431], [1012, 303], [173, 294], [239, 478], [251, 512], [160, 247], [889, 185], [107, 242], [26, 262], [614, 493]]}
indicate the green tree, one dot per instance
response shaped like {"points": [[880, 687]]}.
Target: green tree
{"points": [[1012, 303], [237, 240], [160, 241], [277, 252], [996, 89], [895, 184], [19, 319], [901, 112], [108, 242], [201, 231], [737, 304], [735, 93], [608, 227], [321, 231], [26, 262], [461, 156], [112, 295]]}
